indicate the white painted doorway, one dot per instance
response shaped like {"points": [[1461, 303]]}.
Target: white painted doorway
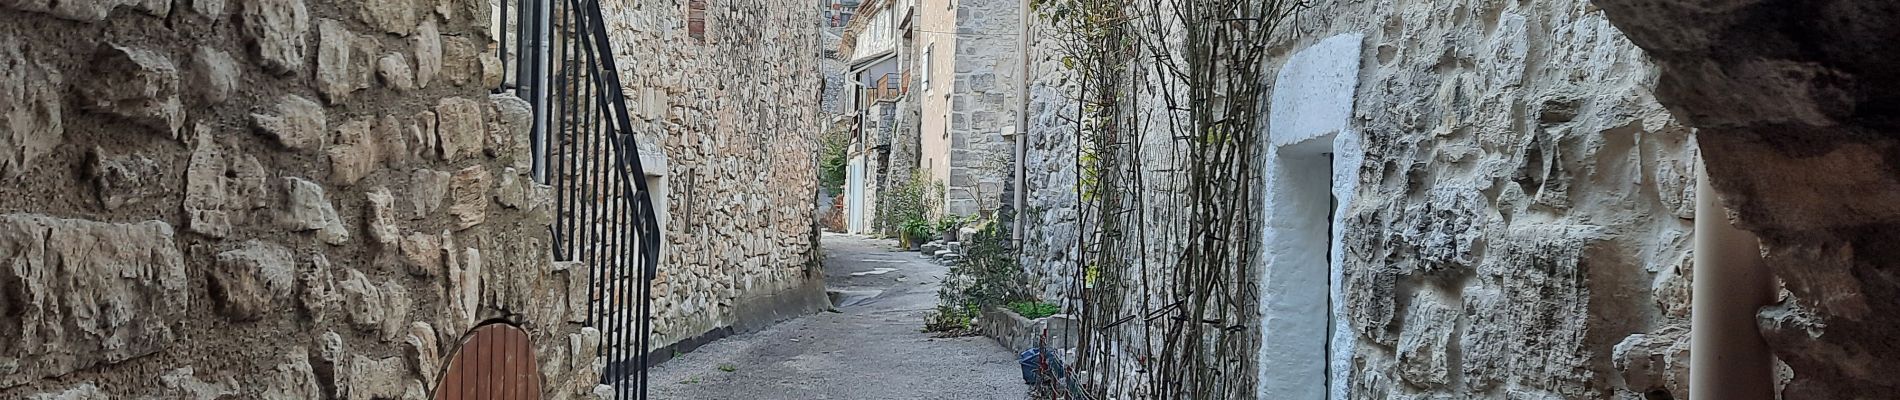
{"points": [[1311, 173], [854, 196]]}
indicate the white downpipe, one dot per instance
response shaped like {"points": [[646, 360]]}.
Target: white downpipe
{"points": [[1728, 360]]}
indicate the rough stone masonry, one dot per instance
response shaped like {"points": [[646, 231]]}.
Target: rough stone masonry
{"points": [[275, 199]]}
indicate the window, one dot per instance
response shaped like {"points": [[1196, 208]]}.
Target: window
{"points": [[696, 19], [928, 50]]}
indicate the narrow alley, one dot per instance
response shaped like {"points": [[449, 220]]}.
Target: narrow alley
{"points": [[872, 347]]}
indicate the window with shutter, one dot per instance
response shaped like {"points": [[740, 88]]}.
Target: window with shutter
{"points": [[696, 19]]}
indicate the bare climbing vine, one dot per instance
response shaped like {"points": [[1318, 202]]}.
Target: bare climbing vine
{"points": [[1168, 270]]}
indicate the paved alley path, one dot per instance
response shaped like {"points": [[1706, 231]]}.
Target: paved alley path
{"points": [[872, 349]]}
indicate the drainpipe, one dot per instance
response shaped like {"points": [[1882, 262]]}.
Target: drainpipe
{"points": [[1729, 360]]}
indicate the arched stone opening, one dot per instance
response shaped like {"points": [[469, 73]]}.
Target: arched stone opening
{"points": [[1310, 174]]}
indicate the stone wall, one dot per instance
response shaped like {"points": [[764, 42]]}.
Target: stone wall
{"points": [[735, 118], [1051, 219], [279, 199], [1518, 228], [984, 105]]}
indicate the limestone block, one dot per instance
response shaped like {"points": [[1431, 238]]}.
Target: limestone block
{"points": [[291, 380], [392, 16], [30, 103], [316, 289], [206, 192], [363, 301], [509, 135], [423, 143], [371, 379], [183, 383], [298, 125], [82, 391], [343, 61], [490, 65], [249, 279], [395, 72], [382, 217], [428, 47], [92, 10], [427, 188], [392, 140], [459, 130], [512, 191], [355, 153], [214, 74], [328, 363], [424, 253], [124, 180], [468, 194], [577, 289], [420, 349], [308, 209], [1656, 362], [85, 293], [140, 86], [213, 9], [1535, 298], [1425, 342], [459, 64], [276, 30], [465, 291], [396, 314]]}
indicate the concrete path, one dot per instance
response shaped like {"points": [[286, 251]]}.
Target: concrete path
{"points": [[874, 348]]}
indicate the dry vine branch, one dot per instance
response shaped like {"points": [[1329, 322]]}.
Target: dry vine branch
{"points": [[1192, 292]]}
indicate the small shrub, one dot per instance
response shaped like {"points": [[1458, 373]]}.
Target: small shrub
{"points": [[1034, 309]]}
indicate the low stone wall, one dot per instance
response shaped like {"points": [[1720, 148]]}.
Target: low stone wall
{"points": [[1018, 334]]}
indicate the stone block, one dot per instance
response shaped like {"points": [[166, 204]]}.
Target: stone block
{"points": [[31, 103], [183, 383], [308, 209], [382, 226], [212, 9], [468, 194], [355, 153], [82, 391], [276, 31], [373, 378], [343, 61], [459, 64], [1655, 363], [459, 128], [420, 348], [249, 279], [1425, 340], [137, 85], [316, 289], [427, 188], [392, 16], [395, 72], [424, 253], [363, 301], [214, 74], [291, 380], [299, 124], [427, 44], [123, 180], [85, 293]]}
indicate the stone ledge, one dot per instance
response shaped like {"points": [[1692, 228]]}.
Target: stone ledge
{"points": [[1017, 333]]}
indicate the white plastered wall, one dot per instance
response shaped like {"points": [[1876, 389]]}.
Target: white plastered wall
{"points": [[1308, 118]]}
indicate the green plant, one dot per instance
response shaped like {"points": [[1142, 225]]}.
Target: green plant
{"points": [[833, 152], [1033, 309], [728, 367], [916, 229], [918, 199], [952, 320]]}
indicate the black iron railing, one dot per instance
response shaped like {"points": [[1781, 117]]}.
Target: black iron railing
{"points": [[586, 150]]}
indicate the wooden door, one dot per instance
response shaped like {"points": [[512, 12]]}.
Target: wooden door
{"points": [[496, 362]]}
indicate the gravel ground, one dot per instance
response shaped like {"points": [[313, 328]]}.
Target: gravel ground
{"points": [[873, 348]]}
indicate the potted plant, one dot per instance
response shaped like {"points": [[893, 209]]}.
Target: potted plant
{"points": [[947, 228], [915, 231]]}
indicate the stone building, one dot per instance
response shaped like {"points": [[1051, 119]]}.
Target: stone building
{"points": [[1480, 199], [298, 199], [729, 113]]}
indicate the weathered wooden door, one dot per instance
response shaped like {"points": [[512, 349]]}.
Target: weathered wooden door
{"points": [[495, 362]]}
